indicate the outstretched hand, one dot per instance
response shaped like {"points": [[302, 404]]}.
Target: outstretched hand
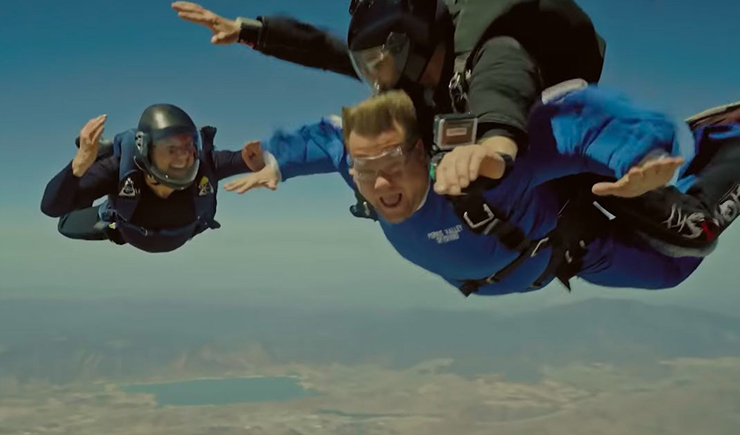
{"points": [[89, 140], [639, 180], [225, 31], [267, 177], [465, 164]]}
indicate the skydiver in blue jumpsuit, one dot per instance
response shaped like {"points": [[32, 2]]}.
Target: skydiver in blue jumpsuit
{"points": [[585, 130]]}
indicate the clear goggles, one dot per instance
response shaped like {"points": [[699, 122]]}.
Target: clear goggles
{"points": [[390, 163]]}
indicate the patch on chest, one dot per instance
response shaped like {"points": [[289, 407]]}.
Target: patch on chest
{"points": [[204, 187], [128, 190], [447, 235]]}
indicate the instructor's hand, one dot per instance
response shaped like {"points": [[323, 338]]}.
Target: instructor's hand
{"points": [[89, 138], [465, 164], [225, 31]]}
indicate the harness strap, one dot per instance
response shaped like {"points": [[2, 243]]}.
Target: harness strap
{"points": [[481, 218], [578, 225], [471, 286], [458, 86]]}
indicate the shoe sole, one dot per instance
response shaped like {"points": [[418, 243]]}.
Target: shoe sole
{"points": [[714, 111]]}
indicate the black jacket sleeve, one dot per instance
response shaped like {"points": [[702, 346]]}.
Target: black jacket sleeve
{"points": [[227, 163], [294, 41], [66, 193], [504, 84]]}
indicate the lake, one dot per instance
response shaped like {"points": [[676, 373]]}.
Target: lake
{"points": [[223, 391]]}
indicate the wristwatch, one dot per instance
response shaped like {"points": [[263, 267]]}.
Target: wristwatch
{"points": [[508, 163], [250, 31]]}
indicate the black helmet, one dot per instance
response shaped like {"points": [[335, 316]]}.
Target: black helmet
{"points": [[167, 125], [394, 39]]}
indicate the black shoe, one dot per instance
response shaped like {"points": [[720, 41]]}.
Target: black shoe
{"points": [[667, 215], [729, 113]]}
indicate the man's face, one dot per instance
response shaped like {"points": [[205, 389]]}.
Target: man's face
{"points": [[174, 155], [383, 73], [380, 66], [390, 173]]}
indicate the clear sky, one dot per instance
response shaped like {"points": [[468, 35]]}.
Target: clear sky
{"points": [[62, 63]]}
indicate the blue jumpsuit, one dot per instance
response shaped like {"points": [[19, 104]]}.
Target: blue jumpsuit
{"points": [[589, 130]]}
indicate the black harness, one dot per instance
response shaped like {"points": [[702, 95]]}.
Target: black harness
{"points": [[579, 223]]}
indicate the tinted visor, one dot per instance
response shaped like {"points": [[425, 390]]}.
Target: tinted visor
{"points": [[381, 66]]}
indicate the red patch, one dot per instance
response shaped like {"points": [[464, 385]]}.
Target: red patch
{"points": [[709, 232]]}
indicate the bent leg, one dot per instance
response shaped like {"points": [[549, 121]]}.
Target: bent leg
{"points": [[83, 224], [717, 182], [621, 258], [702, 204]]}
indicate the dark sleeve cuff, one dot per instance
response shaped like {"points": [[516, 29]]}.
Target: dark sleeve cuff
{"points": [[56, 200], [301, 43], [251, 31], [228, 163], [487, 130]]}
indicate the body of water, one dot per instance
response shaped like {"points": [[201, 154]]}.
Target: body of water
{"points": [[223, 391]]}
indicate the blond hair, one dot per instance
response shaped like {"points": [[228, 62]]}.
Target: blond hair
{"points": [[379, 114]]}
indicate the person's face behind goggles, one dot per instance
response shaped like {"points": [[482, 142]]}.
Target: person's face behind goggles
{"points": [[395, 180]]}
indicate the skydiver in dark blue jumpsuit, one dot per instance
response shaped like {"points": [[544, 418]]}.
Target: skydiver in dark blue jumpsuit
{"points": [[588, 130], [160, 180]]}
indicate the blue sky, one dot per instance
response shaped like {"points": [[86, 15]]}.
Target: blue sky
{"points": [[63, 63]]}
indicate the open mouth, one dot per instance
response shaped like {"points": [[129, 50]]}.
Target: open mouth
{"points": [[391, 201]]}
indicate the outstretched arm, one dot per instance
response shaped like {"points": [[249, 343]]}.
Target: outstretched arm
{"points": [[282, 37], [84, 179], [67, 192], [311, 149], [589, 130], [227, 163], [581, 131]]}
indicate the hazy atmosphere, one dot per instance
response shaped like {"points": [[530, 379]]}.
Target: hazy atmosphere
{"points": [[316, 323]]}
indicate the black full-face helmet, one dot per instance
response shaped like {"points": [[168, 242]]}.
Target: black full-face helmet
{"points": [[392, 41], [170, 129]]}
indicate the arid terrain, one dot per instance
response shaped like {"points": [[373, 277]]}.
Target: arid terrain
{"points": [[681, 376]]}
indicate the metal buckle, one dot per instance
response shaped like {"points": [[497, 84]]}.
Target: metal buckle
{"points": [[457, 93], [537, 247], [492, 279], [568, 257], [485, 221]]}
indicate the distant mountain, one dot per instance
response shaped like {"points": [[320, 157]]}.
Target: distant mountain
{"points": [[64, 341]]}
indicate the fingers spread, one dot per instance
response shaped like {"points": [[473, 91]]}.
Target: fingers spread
{"points": [[198, 18], [444, 177], [604, 189], [186, 7], [462, 167], [474, 166], [92, 126], [234, 184]]}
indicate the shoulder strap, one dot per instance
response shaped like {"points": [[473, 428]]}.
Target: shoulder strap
{"points": [[130, 179], [362, 209], [458, 87], [481, 218], [205, 187]]}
